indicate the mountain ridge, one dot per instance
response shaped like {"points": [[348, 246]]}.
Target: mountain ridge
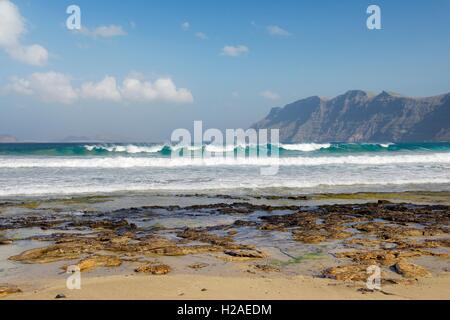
{"points": [[361, 116]]}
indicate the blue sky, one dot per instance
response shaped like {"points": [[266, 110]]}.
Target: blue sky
{"points": [[321, 48]]}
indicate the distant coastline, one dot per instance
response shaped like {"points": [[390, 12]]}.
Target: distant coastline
{"points": [[8, 139]]}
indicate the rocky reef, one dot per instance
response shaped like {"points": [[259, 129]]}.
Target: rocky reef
{"points": [[395, 237]]}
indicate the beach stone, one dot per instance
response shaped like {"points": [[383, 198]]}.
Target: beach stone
{"points": [[252, 254], [67, 250], [48, 254], [410, 270], [182, 250], [370, 227], [4, 242], [7, 289], [197, 266], [367, 243], [60, 296], [199, 235], [444, 242], [267, 268], [309, 238], [383, 257], [355, 272], [272, 227], [156, 269], [340, 235], [94, 262]]}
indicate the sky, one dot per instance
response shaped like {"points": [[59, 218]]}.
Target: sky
{"points": [[136, 70]]}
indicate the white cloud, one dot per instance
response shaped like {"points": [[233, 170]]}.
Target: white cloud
{"points": [[235, 51], [12, 24], [278, 31], [270, 95], [49, 86], [34, 55], [201, 36], [103, 90], [57, 87], [185, 26], [12, 27], [104, 31], [162, 89], [19, 86]]}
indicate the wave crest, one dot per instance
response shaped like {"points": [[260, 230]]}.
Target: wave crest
{"points": [[305, 147], [129, 162]]}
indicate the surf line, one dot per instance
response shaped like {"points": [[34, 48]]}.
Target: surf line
{"points": [[233, 137]]}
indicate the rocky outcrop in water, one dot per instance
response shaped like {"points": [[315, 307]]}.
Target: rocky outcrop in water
{"points": [[359, 116]]}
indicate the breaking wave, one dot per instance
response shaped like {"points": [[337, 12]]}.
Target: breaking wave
{"points": [[129, 162]]}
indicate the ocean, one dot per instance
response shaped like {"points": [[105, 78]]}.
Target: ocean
{"points": [[45, 169]]}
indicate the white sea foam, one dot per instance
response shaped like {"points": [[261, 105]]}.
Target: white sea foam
{"points": [[130, 162], [126, 148], [188, 148], [305, 147], [319, 184]]}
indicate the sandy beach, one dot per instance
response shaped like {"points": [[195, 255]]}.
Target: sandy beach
{"points": [[180, 287]]}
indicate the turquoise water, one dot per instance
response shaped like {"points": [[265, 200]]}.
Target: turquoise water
{"points": [[155, 149]]}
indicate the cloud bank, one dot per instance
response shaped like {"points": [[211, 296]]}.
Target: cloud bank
{"points": [[57, 87], [12, 27]]}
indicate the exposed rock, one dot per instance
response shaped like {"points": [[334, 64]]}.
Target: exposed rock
{"points": [[47, 254], [340, 235], [411, 270], [355, 272], [267, 268], [383, 257], [308, 237], [251, 254], [272, 227], [156, 269], [363, 242], [182, 250], [4, 242], [6, 289], [199, 235], [443, 242], [197, 266], [98, 261], [104, 224]]}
